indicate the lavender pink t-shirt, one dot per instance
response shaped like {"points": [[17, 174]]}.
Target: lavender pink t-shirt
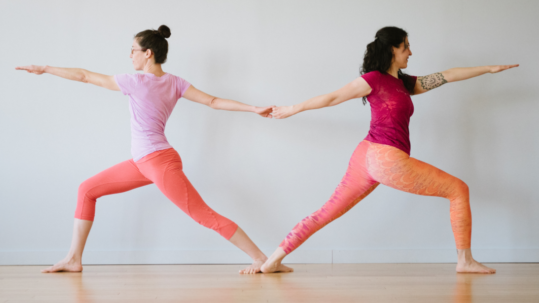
{"points": [[391, 109], [151, 101]]}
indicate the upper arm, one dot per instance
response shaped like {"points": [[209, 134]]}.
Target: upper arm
{"points": [[355, 89], [195, 95], [104, 81], [426, 83]]}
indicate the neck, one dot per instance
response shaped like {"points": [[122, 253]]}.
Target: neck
{"points": [[393, 71], [153, 68]]}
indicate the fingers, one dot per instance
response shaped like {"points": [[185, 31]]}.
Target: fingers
{"points": [[505, 67], [28, 69], [511, 66], [278, 112]]}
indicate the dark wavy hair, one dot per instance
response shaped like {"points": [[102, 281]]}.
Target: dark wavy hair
{"points": [[379, 54], [156, 41]]}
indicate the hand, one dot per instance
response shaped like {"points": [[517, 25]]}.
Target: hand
{"points": [[34, 69], [282, 112], [498, 68], [264, 111]]}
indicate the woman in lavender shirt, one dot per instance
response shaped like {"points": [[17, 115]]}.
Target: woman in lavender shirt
{"points": [[152, 97]]}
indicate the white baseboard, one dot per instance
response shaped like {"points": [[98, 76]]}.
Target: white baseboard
{"points": [[299, 256]]}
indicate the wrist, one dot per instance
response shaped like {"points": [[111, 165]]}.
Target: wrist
{"points": [[45, 68], [296, 109]]}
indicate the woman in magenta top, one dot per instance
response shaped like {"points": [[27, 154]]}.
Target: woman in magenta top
{"points": [[152, 97], [384, 155]]}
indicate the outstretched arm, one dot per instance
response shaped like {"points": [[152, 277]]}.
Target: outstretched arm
{"points": [[355, 89], [432, 81], [75, 74], [201, 97]]}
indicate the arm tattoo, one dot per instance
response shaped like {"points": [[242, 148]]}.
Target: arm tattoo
{"points": [[432, 81]]}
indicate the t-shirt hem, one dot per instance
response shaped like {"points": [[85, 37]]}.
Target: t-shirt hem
{"points": [[404, 149], [144, 154]]}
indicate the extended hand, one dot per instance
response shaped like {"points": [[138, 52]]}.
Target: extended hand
{"points": [[264, 111], [281, 112], [34, 69], [498, 68]]}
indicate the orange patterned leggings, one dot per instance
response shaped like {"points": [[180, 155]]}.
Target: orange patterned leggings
{"points": [[374, 163]]}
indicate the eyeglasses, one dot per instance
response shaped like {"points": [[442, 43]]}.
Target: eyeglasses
{"points": [[140, 49]]}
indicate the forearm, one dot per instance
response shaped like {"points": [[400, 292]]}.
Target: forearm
{"points": [[463, 73], [75, 74], [314, 103], [231, 105]]}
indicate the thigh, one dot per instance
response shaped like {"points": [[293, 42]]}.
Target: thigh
{"points": [[354, 186], [116, 179], [119, 178], [394, 168]]}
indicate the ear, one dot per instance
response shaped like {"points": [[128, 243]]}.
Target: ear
{"points": [[148, 54]]}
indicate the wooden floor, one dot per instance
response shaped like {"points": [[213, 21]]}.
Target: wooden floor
{"points": [[334, 283]]}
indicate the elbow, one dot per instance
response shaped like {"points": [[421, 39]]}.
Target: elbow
{"points": [[213, 103], [333, 101], [83, 77], [448, 76]]}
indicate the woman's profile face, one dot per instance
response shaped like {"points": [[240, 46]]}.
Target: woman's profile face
{"points": [[401, 54], [138, 55]]}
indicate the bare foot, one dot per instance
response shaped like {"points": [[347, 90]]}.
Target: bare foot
{"points": [[272, 268], [253, 268], [66, 266], [467, 264], [273, 264], [474, 267]]}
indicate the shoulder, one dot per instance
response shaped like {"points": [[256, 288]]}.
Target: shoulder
{"points": [[127, 82], [127, 78], [372, 78], [409, 80], [371, 74], [182, 82], [181, 85]]}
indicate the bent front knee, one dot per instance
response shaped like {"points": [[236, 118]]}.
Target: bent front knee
{"points": [[460, 190], [463, 188], [85, 202]]}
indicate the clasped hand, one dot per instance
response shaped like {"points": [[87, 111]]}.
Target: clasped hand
{"points": [[277, 112]]}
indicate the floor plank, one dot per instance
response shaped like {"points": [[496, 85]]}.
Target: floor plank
{"points": [[334, 283]]}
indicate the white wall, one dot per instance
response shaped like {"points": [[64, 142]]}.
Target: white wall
{"points": [[267, 175]]}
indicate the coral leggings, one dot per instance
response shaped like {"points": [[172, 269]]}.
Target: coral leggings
{"points": [[164, 168], [374, 163]]}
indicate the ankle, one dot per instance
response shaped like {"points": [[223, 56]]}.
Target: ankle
{"points": [[464, 255], [278, 255], [73, 259], [260, 258]]}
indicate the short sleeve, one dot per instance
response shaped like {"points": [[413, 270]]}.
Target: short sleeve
{"points": [[413, 80], [127, 82], [372, 78], [181, 86]]}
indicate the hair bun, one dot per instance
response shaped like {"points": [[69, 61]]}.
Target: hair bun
{"points": [[164, 30]]}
